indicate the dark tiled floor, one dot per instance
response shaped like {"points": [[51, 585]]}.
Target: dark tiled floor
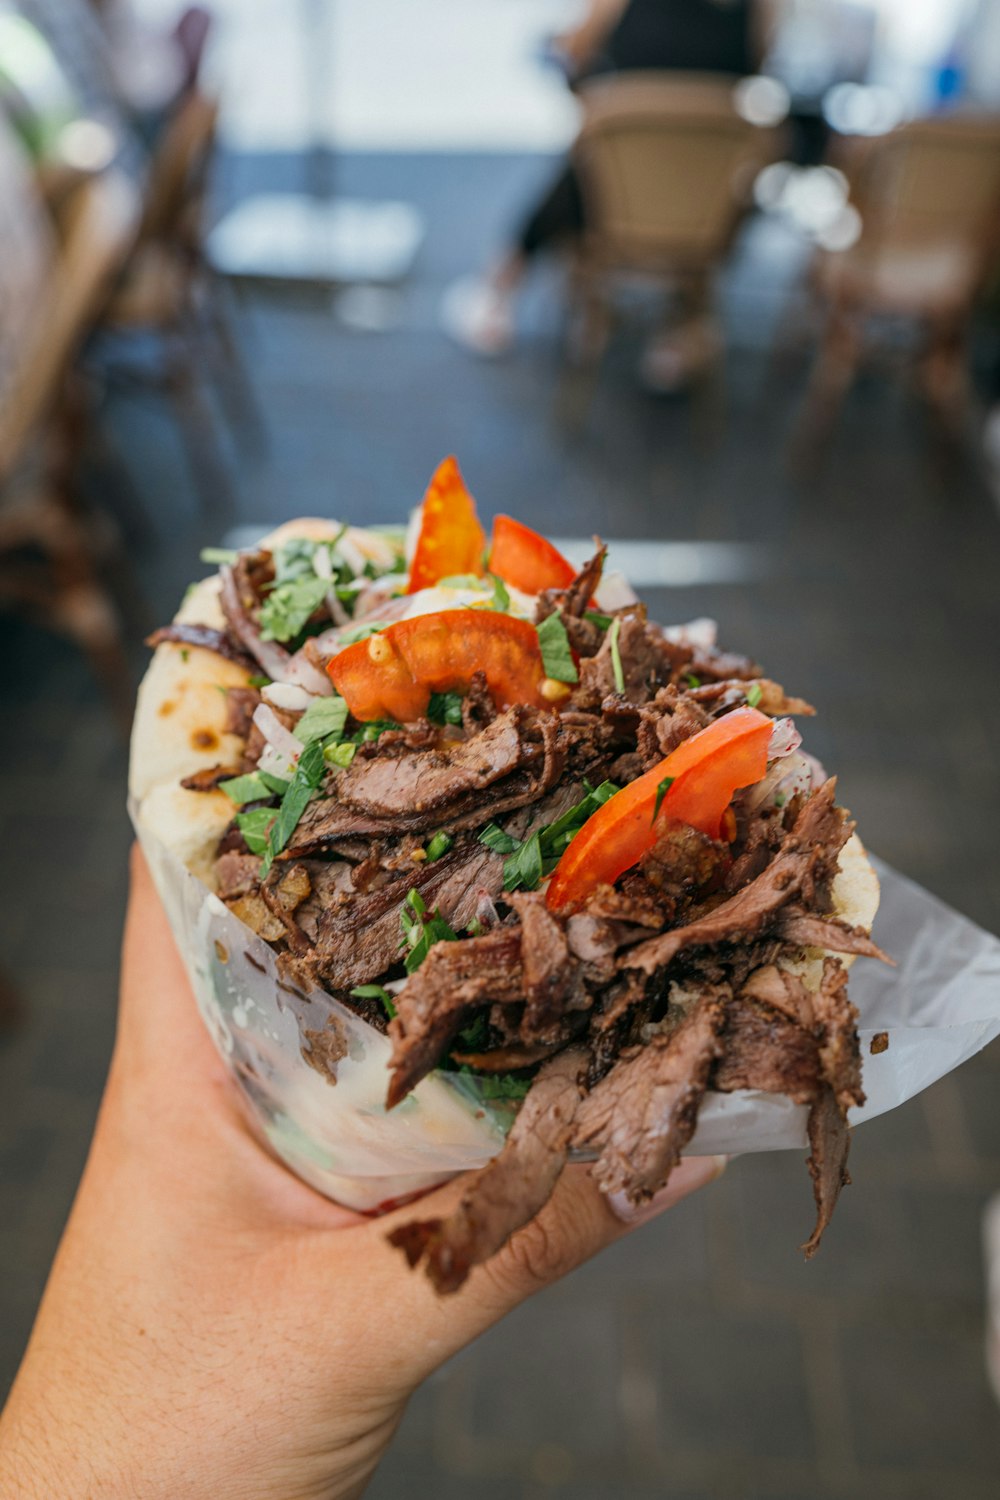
{"points": [[703, 1358]]}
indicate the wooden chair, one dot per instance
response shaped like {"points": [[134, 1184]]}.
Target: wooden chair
{"points": [[928, 196], [666, 162], [169, 290], [52, 289]]}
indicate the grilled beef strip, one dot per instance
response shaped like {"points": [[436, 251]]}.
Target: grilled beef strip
{"points": [[219, 641], [642, 1115], [208, 779], [511, 1189], [239, 595], [830, 1141], [453, 981], [806, 860]]}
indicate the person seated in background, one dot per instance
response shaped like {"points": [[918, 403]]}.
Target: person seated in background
{"points": [[615, 36]]}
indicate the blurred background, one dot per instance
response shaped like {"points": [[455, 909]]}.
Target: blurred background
{"points": [[278, 259]]}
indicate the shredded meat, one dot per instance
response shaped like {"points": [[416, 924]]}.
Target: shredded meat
{"points": [[508, 1192], [642, 1115], [219, 641]]}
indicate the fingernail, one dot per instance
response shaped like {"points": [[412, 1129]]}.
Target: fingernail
{"points": [[693, 1172]]}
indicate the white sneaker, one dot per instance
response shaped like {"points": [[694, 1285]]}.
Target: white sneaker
{"points": [[480, 317], [676, 357]]}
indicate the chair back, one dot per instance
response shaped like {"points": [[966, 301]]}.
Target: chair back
{"points": [[178, 176], [50, 294], [932, 183], [665, 162]]}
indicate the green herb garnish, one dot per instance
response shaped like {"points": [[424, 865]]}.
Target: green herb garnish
{"points": [[254, 787], [362, 632], [661, 792], [556, 655], [219, 555], [494, 838], [305, 783], [691, 680], [325, 717], [258, 680], [339, 755], [601, 621], [501, 597], [439, 844], [254, 827], [616, 656], [755, 694], [527, 863], [421, 930], [372, 730], [498, 1085], [445, 708], [288, 606], [376, 992], [475, 1036]]}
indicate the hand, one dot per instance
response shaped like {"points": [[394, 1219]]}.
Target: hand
{"points": [[214, 1328]]}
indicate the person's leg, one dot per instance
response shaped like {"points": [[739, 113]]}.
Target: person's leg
{"points": [[478, 312]]}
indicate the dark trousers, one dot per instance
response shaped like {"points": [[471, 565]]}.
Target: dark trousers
{"points": [[559, 216]]}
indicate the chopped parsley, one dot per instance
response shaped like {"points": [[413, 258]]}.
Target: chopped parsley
{"points": [[661, 792], [421, 930], [445, 708], [494, 838], [616, 656], [288, 606], [258, 680], [755, 695], [529, 862], [362, 632], [497, 1085], [339, 755], [304, 784], [601, 621], [473, 1038], [556, 655], [254, 787], [324, 717], [439, 844], [372, 730], [501, 598], [691, 680], [254, 826], [375, 992]]}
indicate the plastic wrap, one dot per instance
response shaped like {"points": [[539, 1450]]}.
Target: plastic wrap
{"points": [[314, 1074]]}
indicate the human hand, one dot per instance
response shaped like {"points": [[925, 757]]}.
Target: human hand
{"points": [[212, 1327]]}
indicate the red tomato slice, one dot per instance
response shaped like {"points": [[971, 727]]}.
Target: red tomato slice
{"points": [[392, 675], [525, 560], [451, 540], [707, 769]]}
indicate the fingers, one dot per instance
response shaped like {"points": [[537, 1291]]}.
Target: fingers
{"points": [[576, 1223]]}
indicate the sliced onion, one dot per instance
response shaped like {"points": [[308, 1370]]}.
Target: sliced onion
{"points": [[790, 774], [280, 738], [701, 633], [275, 764], [614, 591], [306, 674], [286, 695], [784, 739], [486, 912]]}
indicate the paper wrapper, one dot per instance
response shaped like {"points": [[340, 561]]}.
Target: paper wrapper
{"points": [[327, 1118]]}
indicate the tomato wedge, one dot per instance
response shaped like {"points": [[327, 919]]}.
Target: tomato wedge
{"points": [[451, 539], [525, 560], [706, 770], [392, 675]]}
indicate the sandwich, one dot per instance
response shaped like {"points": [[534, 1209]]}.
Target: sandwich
{"points": [[566, 864]]}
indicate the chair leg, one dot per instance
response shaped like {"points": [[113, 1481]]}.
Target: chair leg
{"points": [[587, 337], [208, 468], [832, 377], [943, 379], [236, 389]]}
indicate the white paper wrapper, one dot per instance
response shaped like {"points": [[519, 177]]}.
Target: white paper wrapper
{"points": [[938, 1007]]}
